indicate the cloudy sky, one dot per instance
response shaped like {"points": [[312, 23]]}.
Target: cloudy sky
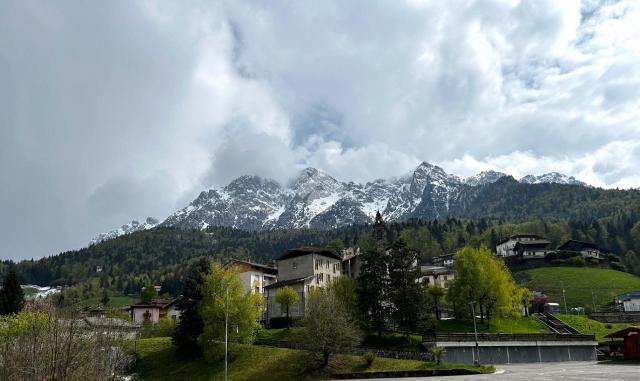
{"points": [[117, 110]]}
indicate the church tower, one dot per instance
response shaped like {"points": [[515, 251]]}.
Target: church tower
{"points": [[379, 230]]}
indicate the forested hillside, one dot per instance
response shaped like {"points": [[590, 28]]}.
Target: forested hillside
{"points": [[161, 256]]}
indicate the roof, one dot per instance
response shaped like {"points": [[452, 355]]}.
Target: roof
{"points": [[624, 332], [629, 296], [537, 242], [156, 303], [265, 268], [444, 256], [427, 270], [287, 282], [516, 236], [573, 245], [300, 251]]}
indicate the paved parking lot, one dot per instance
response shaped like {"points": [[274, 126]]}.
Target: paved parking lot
{"points": [[564, 371]]}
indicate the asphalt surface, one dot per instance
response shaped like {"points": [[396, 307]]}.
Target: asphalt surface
{"points": [[562, 371]]}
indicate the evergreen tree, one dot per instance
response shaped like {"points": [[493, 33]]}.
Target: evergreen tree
{"points": [[373, 289], [406, 293], [190, 325], [11, 295]]}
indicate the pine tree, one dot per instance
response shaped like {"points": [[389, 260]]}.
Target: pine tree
{"points": [[406, 293], [190, 325], [373, 289], [11, 295]]}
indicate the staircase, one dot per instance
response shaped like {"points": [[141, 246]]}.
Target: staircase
{"points": [[556, 325]]}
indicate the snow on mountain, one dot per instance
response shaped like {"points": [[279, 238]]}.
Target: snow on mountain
{"points": [[315, 199], [484, 177], [551, 178], [131, 227]]}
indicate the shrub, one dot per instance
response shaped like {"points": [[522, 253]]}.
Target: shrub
{"points": [[369, 357], [281, 322], [165, 327], [436, 354], [608, 326], [576, 262]]}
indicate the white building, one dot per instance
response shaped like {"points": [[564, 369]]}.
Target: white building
{"points": [[438, 275], [155, 310], [586, 249], [505, 248], [532, 249], [447, 260], [630, 301], [302, 269], [255, 277]]}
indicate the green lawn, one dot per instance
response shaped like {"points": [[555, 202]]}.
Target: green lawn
{"points": [[157, 361], [496, 325], [114, 301], [589, 326], [578, 284]]}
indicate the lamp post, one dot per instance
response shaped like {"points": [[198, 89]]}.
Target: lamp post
{"points": [[226, 333], [476, 360]]}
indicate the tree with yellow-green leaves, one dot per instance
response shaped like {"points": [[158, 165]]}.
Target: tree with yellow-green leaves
{"points": [[244, 308], [286, 297], [484, 281]]}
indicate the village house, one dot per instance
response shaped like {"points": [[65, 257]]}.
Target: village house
{"points": [[447, 260], [586, 249], [630, 349], [532, 249], [439, 275], [154, 310], [506, 247], [255, 277], [351, 262], [302, 269], [630, 301]]}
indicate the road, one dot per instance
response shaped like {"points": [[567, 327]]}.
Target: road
{"points": [[563, 371]]}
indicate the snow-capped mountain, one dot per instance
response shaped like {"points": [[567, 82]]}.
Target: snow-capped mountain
{"points": [[484, 177], [314, 199], [551, 178], [131, 227]]}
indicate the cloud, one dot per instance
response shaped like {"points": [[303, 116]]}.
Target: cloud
{"points": [[118, 110]]}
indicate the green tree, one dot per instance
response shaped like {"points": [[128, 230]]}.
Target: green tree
{"points": [[190, 325], [373, 289], [405, 292], [11, 295], [165, 327], [336, 245], [244, 308], [148, 293], [327, 325], [435, 293], [344, 288], [286, 297], [105, 298], [485, 281]]}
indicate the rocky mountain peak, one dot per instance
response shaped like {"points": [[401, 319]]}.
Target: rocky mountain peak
{"points": [[484, 177]]}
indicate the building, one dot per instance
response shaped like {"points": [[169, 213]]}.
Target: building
{"points": [[630, 301], [255, 277], [532, 249], [505, 248], [351, 262], [438, 275], [155, 310], [302, 269], [631, 347], [587, 249], [447, 260]]}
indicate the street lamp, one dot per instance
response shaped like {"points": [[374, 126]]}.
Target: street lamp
{"points": [[476, 360], [226, 333]]}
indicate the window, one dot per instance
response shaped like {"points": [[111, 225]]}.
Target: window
{"points": [[328, 278], [321, 277], [327, 263], [317, 263]]}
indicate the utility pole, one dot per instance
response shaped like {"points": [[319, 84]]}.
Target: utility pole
{"points": [[593, 300], [226, 334], [566, 312], [476, 361]]}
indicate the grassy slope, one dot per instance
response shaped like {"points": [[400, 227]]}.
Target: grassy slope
{"points": [[496, 325], [578, 283], [589, 326], [157, 361]]}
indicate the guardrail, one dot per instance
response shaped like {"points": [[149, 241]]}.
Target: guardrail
{"points": [[508, 337]]}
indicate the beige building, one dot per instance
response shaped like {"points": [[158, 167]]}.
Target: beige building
{"points": [[439, 275], [302, 269], [155, 310], [255, 277]]}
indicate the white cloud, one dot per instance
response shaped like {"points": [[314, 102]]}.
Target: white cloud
{"points": [[119, 93]]}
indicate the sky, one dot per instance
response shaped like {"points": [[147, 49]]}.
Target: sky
{"points": [[111, 111]]}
